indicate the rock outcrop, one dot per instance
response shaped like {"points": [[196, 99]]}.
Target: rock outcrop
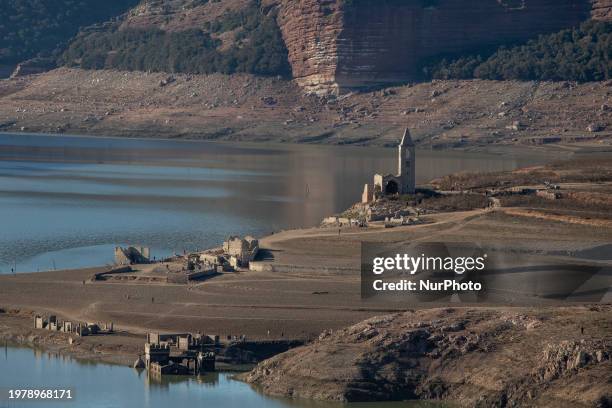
{"points": [[311, 30], [178, 15], [602, 10], [335, 46], [339, 45], [479, 357], [33, 66]]}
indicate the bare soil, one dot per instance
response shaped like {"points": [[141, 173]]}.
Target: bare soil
{"points": [[477, 357], [487, 355], [299, 303], [462, 114], [16, 327]]}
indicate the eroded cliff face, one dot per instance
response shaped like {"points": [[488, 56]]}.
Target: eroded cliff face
{"points": [[337, 45], [311, 29], [602, 10]]}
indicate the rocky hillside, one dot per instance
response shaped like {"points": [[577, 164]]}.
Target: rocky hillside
{"points": [[329, 46], [179, 15], [194, 37], [474, 357], [156, 70], [580, 53], [29, 28], [440, 114]]}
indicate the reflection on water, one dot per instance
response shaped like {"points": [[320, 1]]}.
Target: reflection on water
{"points": [[65, 202], [96, 385]]}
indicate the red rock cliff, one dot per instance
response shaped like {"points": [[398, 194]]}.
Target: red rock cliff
{"points": [[337, 45], [602, 10], [311, 29]]}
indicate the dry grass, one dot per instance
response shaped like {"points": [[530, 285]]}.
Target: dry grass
{"points": [[456, 202], [567, 205], [587, 170]]}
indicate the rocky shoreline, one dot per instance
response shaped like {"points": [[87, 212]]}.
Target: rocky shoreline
{"points": [[121, 348], [484, 357], [479, 357]]}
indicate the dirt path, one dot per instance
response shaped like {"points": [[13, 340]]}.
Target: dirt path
{"points": [[458, 219]]}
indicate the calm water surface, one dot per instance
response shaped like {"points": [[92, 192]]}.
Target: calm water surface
{"points": [[65, 202], [96, 385]]}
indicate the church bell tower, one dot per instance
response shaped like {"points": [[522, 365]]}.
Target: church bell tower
{"points": [[406, 164]]}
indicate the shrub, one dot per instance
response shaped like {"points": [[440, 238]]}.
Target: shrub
{"points": [[258, 49], [41, 27], [580, 54]]}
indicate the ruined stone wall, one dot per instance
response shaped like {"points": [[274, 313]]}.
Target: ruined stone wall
{"points": [[235, 246], [335, 45]]}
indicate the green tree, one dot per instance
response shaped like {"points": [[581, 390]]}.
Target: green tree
{"points": [[30, 28], [580, 54]]}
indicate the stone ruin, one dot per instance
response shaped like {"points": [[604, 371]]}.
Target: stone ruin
{"points": [[379, 201], [343, 221], [404, 182], [179, 354], [235, 253], [132, 255], [241, 251], [52, 323]]}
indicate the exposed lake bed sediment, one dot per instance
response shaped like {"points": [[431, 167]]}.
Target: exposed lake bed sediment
{"points": [[311, 292], [472, 356], [68, 200], [247, 108], [458, 342]]}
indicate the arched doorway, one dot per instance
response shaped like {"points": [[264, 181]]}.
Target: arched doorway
{"points": [[391, 187]]}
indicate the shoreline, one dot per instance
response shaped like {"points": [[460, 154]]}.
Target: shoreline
{"points": [[463, 341], [312, 293], [17, 329], [544, 153], [562, 150], [245, 302], [124, 346], [129, 104], [118, 348]]}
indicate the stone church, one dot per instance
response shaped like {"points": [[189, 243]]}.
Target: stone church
{"points": [[404, 182]]}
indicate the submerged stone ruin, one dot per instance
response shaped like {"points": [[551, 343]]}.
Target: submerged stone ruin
{"points": [[178, 354]]}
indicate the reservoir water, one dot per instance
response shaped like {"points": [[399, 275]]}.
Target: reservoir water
{"points": [[97, 385], [66, 202]]}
